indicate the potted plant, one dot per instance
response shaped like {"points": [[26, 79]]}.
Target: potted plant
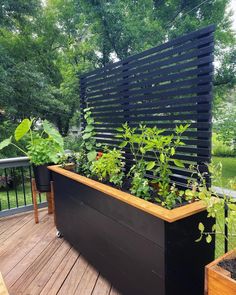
{"points": [[134, 236], [43, 147], [220, 275]]}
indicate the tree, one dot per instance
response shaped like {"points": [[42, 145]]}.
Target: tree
{"points": [[126, 27], [45, 49], [225, 124]]}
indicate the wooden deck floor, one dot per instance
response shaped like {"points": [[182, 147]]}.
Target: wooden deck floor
{"points": [[33, 261]]}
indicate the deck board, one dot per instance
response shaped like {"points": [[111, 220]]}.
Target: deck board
{"points": [[34, 262]]}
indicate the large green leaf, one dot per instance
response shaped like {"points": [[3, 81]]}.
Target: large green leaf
{"points": [[22, 129], [5, 143], [178, 163], [123, 144], [150, 165], [120, 129], [92, 156], [162, 158], [52, 132], [89, 128], [86, 135]]}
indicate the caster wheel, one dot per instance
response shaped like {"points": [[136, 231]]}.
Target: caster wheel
{"points": [[59, 234]]}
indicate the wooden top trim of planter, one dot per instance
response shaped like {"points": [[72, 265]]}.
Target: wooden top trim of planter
{"points": [[153, 209]]}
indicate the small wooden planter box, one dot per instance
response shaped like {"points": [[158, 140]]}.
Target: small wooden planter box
{"points": [[141, 248], [218, 280]]}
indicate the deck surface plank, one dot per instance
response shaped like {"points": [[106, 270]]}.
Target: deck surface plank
{"points": [[102, 287], [9, 222], [34, 262], [87, 282], [20, 234]]}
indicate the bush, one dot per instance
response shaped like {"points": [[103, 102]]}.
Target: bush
{"points": [[72, 143], [220, 149]]}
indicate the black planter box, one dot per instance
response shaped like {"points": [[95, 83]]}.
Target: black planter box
{"points": [[139, 253]]}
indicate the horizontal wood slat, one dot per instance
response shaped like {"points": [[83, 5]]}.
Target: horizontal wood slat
{"points": [[119, 73], [164, 86], [178, 41]]}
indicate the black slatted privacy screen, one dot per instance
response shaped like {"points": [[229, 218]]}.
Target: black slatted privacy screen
{"points": [[164, 86]]}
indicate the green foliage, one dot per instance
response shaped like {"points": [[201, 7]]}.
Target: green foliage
{"points": [[46, 46], [42, 147], [44, 151], [228, 171], [22, 129], [109, 167], [216, 204], [220, 149], [87, 152], [73, 143], [140, 187], [163, 148], [5, 143], [134, 138], [225, 125]]}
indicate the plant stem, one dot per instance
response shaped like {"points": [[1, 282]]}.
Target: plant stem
{"points": [[19, 149]]}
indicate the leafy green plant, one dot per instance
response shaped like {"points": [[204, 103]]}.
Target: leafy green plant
{"points": [[225, 125], [109, 167], [73, 143], [134, 138], [216, 204], [42, 146], [87, 152], [220, 149], [140, 187], [163, 148]]}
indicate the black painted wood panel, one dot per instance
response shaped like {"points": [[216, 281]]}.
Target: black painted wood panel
{"points": [[164, 86], [137, 252]]}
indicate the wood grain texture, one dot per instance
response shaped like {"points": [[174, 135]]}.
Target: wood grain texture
{"points": [[3, 288], [155, 210], [218, 281], [34, 262]]}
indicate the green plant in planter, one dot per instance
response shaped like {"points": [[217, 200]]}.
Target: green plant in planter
{"points": [[87, 152], [42, 146], [134, 138], [164, 148], [109, 167], [216, 204]]}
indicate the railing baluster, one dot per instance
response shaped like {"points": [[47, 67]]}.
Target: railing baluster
{"points": [[30, 174], [15, 199], [15, 186], [23, 184], [226, 229], [7, 189]]}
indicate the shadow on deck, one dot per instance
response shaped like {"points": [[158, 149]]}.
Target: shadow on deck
{"points": [[33, 261]]}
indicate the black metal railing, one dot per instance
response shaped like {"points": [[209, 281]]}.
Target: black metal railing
{"points": [[15, 186]]}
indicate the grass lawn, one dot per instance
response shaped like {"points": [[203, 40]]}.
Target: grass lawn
{"points": [[228, 173], [228, 169]]}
